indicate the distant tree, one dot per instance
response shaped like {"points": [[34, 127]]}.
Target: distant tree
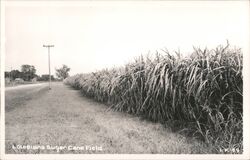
{"points": [[45, 77], [13, 74], [29, 72], [7, 74], [63, 72]]}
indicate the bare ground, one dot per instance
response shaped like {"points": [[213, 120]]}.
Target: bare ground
{"points": [[37, 116]]}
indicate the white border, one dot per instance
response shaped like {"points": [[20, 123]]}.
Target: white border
{"points": [[246, 91], [2, 68]]}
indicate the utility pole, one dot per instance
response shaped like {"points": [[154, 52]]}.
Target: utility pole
{"points": [[48, 46], [11, 76]]}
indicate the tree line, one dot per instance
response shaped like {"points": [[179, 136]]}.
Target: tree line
{"points": [[28, 72]]}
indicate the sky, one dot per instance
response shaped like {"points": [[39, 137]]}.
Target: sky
{"points": [[94, 35]]}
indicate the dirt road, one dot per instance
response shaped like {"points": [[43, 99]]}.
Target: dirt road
{"points": [[61, 120]]}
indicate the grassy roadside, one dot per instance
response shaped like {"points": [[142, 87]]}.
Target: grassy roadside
{"points": [[63, 117]]}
